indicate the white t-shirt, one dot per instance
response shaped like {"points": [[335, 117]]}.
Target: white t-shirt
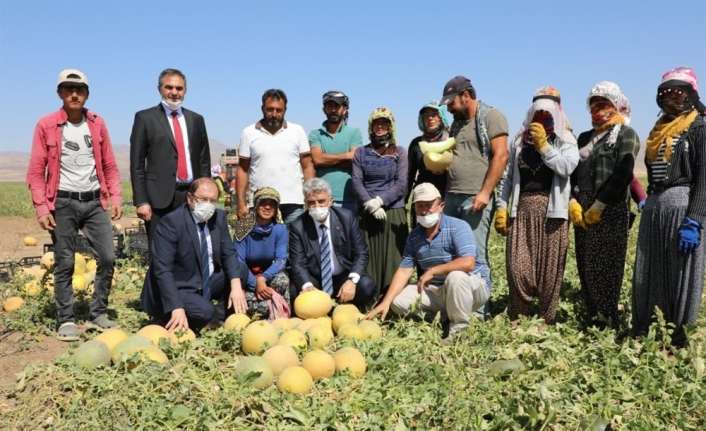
{"points": [[275, 159], [78, 167]]}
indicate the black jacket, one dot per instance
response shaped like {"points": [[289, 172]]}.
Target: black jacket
{"points": [[305, 253], [175, 259], [153, 155]]}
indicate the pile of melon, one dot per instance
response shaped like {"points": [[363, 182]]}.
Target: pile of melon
{"points": [[117, 346], [42, 275], [294, 352]]}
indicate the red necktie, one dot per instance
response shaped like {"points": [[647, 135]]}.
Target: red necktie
{"points": [[182, 171]]}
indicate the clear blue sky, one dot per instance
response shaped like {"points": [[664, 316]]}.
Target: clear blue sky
{"points": [[379, 53]]}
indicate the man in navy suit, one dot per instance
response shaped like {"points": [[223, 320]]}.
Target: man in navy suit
{"points": [[192, 263], [327, 250]]}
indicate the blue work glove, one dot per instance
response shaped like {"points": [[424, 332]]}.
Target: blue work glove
{"points": [[689, 235], [641, 205]]}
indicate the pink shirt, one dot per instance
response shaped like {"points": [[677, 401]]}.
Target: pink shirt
{"points": [[44, 163]]}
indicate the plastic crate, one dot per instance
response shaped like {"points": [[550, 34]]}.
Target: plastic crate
{"points": [[136, 243], [83, 247]]}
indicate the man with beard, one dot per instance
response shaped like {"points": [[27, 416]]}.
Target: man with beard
{"points": [[479, 159], [168, 150], [274, 153], [332, 148]]}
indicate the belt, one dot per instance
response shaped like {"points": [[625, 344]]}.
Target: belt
{"points": [[183, 186], [80, 196]]}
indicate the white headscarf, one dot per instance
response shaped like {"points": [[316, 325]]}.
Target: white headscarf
{"points": [[561, 123], [611, 91]]}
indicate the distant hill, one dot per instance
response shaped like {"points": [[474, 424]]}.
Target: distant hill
{"points": [[13, 164]]}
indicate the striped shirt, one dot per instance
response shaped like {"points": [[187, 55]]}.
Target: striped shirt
{"points": [[453, 240], [687, 167]]}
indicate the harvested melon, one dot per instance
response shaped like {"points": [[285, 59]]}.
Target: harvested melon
{"points": [[295, 380], [91, 354], [91, 265], [294, 338], [256, 368], [280, 357], [236, 322], [154, 333], [285, 324], [13, 303], [295, 322], [345, 308], [351, 360], [319, 336], [346, 317], [258, 337], [128, 347], [319, 364], [371, 330], [32, 288], [112, 337], [78, 282], [36, 272], [79, 264], [184, 336], [47, 260], [350, 331], [312, 304], [30, 241], [154, 354]]}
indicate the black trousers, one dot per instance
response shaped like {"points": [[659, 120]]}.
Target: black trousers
{"points": [[158, 213], [199, 309]]}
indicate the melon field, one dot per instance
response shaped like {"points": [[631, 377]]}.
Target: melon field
{"points": [[497, 375]]}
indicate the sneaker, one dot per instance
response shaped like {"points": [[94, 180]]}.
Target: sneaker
{"points": [[101, 323], [68, 331]]}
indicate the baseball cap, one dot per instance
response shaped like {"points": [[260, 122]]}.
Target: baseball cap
{"points": [[73, 76], [425, 192], [336, 96], [455, 86]]}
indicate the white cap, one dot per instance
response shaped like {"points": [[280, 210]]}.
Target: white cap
{"points": [[74, 76]]}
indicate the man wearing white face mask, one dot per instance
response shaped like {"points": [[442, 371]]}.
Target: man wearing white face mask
{"points": [[193, 261], [168, 150], [327, 250], [442, 248]]}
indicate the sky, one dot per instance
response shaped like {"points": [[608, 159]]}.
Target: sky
{"points": [[394, 54]]}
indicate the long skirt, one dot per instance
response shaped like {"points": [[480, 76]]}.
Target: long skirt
{"points": [[280, 283], [385, 239], [664, 277], [535, 257], [600, 258]]}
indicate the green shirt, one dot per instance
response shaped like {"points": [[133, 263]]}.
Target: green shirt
{"points": [[338, 177]]}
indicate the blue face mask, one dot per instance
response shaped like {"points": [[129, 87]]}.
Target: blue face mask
{"points": [[263, 229]]}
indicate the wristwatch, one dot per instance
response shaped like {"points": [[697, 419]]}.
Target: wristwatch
{"points": [[354, 277]]}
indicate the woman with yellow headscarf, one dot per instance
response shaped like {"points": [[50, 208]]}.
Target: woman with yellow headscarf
{"points": [[669, 265]]}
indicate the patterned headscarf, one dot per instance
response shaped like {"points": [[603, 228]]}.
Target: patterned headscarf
{"points": [[383, 112], [242, 227], [611, 92]]}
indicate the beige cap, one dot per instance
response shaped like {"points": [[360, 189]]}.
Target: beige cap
{"points": [[425, 192], [74, 76]]}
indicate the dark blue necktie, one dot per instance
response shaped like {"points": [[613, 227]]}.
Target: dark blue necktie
{"points": [[326, 280], [205, 273]]}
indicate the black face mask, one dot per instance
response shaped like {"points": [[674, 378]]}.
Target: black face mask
{"points": [[333, 118], [379, 141]]}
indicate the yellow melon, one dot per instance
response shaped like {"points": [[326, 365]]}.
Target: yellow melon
{"points": [[346, 317], [154, 354], [319, 364], [32, 288], [236, 322], [35, 272], [78, 281], [91, 354], [280, 357], [319, 336], [258, 337], [79, 264], [295, 322], [184, 336], [350, 331], [349, 359], [128, 347], [255, 368], [312, 304], [91, 265], [345, 308], [112, 337], [294, 338], [118, 228], [326, 322], [371, 330], [154, 333], [295, 380], [284, 324], [29, 241], [47, 260], [13, 303]]}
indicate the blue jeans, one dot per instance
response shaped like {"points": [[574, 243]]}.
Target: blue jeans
{"points": [[457, 205]]}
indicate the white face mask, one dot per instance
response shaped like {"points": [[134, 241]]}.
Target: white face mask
{"points": [[319, 213], [203, 211], [429, 220], [173, 105]]}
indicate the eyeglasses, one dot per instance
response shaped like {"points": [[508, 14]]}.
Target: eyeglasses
{"points": [[199, 200]]}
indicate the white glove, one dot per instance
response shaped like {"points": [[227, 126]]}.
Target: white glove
{"points": [[373, 204], [380, 214]]}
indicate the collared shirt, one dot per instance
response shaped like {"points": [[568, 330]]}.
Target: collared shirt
{"points": [[275, 159], [207, 232], [184, 133], [339, 177], [453, 240]]}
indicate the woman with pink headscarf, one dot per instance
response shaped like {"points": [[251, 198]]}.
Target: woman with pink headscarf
{"points": [[669, 265]]}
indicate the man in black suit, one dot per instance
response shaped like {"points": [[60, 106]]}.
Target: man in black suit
{"points": [[193, 262], [168, 150], [327, 250]]}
